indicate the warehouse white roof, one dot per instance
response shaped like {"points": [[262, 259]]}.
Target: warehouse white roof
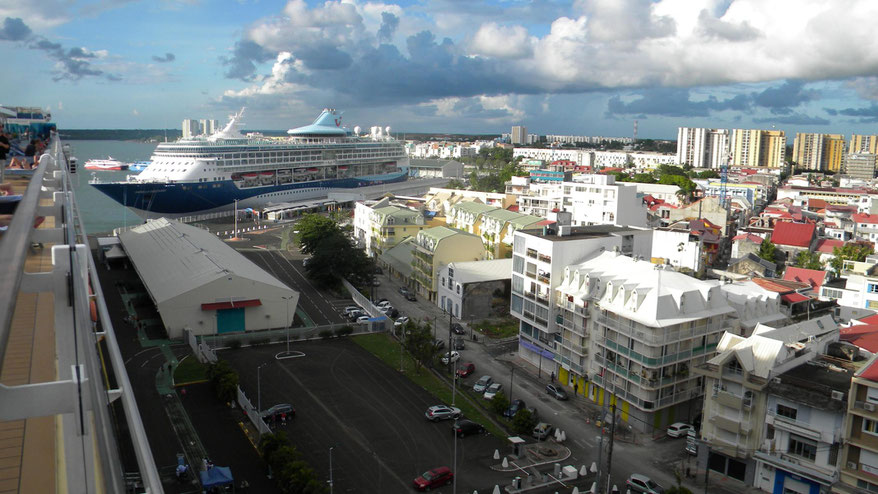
{"points": [[174, 258], [477, 271]]}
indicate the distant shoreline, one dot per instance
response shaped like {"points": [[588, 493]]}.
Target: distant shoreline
{"points": [[160, 135]]}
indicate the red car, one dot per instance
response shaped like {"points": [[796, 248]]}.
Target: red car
{"points": [[431, 479], [466, 369]]}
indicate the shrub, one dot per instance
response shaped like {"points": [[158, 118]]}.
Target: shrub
{"points": [[523, 422], [344, 331], [224, 380], [234, 344], [292, 474], [325, 334], [499, 403]]}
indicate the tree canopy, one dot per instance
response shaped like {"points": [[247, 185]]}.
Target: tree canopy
{"points": [[333, 256], [849, 252], [809, 260], [768, 251]]}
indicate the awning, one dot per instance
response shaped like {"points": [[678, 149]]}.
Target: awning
{"points": [[237, 304], [794, 298]]}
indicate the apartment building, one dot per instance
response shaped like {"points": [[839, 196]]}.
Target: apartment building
{"points": [[599, 200], [631, 332], [819, 152], [539, 260], [436, 247], [498, 227], [802, 440], [863, 144], [582, 157], [702, 148], [859, 467], [860, 165], [467, 215], [519, 134], [754, 148], [736, 390], [379, 225], [475, 290]]}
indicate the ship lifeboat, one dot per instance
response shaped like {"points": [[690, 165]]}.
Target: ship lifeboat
{"points": [[343, 167], [300, 170], [312, 170], [250, 176]]}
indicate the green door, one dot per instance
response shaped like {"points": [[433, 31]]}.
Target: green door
{"points": [[230, 320]]}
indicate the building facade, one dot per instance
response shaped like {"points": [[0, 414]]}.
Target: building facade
{"points": [[380, 225], [860, 165], [519, 134], [436, 247], [754, 148]]}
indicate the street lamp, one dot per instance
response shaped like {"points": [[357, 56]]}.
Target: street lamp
{"points": [[287, 321], [330, 468], [259, 388], [511, 378]]}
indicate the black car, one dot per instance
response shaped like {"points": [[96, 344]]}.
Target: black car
{"points": [[457, 328], [439, 344], [465, 427], [458, 344], [410, 296], [556, 391], [514, 408]]}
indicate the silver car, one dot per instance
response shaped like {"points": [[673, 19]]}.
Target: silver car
{"points": [[441, 412], [482, 384]]}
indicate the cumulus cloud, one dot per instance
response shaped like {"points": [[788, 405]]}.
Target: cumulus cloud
{"points": [[14, 29], [169, 57], [498, 41], [389, 23], [241, 64]]}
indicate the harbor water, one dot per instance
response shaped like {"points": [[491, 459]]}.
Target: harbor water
{"points": [[100, 213]]}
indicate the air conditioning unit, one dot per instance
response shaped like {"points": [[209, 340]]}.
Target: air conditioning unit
{"points": [[869, 407], [837, 395], [852, 465]]}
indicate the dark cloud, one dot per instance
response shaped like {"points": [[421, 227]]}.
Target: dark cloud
{"points": [[169, 57], [77, 52], [73, 64], [781, 99], [324, 58], [794, 119], [713, 27], [389, 23], [14, 29], [673, 102], [241, 64], [867, 114], [831, 111]]}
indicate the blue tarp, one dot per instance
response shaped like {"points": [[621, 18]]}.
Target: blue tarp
{"points": [[216, 476]]}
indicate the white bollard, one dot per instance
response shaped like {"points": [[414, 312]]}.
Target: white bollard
{"points": [[583, 471], [594, 488], [594, 467], [557, 434], [505, 463], [563, 436], [615, 489], [575, 490], [496, 489], [496, 454]]}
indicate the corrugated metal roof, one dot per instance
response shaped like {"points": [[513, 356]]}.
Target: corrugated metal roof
{"points": [[476, 271], [174, 258], [400, 256], [793, 234]]}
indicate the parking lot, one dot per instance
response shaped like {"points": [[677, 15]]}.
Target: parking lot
{"points": [[370, 416]]}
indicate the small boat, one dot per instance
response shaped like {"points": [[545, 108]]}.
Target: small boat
{"points": [[267, 174], [250, 176], [139, 166], [107, 164], [312, 170], [343, 167]]}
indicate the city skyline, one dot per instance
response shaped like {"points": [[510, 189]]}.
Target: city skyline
{"points": [[588, 67]]}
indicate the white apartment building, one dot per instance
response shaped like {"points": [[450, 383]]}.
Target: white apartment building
{"points": [[736, 402], [718, 148], [519, 134], [692, 146], [651, 160], [539, 260], [599, 200], [582, 157], [631, 332], [190, 128], [379, 225], [802, 441]]}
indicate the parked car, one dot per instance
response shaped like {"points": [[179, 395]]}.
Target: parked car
{"points": [[465, 369], [410, 296], [457, 328], [482, 384], [386, 309], [542, 431], [679, 429], [353, 316], [439, 344], [375, 282], [556, 391], [458, 343], [277, 410], [363, 320], [403, 290], [402, 321], [305, 261], [514, 408], [352, 308], [392, 313], [442, 412], [466, 427], [431, 479], [492, 391], [454, 356], [643, 484], [378, 270], [383, 303]]}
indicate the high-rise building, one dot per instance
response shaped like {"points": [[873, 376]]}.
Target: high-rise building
{"points": [[863, 144], [821, 152], [519, 134], [718, 148], [190, 128], [860, 165], [758, 148], [692, 146]]}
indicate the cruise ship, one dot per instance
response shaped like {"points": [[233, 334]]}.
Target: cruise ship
{"points": [[210, 173]]}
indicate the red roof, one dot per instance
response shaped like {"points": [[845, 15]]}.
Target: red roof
{"points": [[812, 277], [793, 234], [873, 319], [793, 298], [546, 223], [866, 218], [870, 372], [513, 208], [748, 236], [780, 286], [232, 305], [826, 245]]}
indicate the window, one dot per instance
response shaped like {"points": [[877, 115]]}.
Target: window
{"points": [[870, 426], [458, 288], [785, 411], [872, 288], [734, 367], [802, 447]]}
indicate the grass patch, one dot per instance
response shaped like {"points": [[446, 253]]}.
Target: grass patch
{"points": [[387, 349], [503, 328], [190, 370]]}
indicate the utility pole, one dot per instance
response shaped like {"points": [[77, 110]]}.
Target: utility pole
{"points": [[449, 340], [706, 466], [511, 378], [610, 446]]}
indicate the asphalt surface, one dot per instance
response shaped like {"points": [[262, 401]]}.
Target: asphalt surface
{"points": [[368, 413]]}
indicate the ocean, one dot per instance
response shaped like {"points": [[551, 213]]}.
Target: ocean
{"points": [[100, 213]]}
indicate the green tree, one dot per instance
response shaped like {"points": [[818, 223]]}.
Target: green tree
{"points": [[312, 229], [420, 343], [523, 422], [499, 403], [455, 184], [664, 170], [224, 380], [768, 251], [708, 174], [853, 251], [643, 178], [333, 256], [809, 260]]}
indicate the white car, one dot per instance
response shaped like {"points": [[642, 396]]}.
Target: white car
{"points": [[679, 429], [351, 308], [363, 320], [455, 356], [492, 391], [383, 304], [402, 321]]}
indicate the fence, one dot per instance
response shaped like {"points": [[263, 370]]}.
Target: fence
{"points": [[362, 300], [252, 413], [272, 336], [204, 353]]}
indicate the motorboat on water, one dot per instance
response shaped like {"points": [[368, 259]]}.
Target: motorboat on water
{"points": [[107, 164]]}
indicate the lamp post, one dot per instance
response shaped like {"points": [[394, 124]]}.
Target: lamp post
{"points": [[330, 468], [287, 321], [259, 388], [511, 379]]}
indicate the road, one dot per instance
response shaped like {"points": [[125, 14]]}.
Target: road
{"points": [[654, 458]]}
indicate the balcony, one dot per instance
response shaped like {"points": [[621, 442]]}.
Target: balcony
{"points": [[800, 428], [727, 424], [798, 465], [544, 258], [729, 399]]}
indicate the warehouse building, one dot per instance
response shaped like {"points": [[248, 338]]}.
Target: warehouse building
{"points": [[196, 281]]}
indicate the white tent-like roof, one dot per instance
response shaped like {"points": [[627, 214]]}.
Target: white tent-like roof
{"points": [[174, 258]]}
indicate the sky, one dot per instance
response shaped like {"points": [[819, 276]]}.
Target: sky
{"points": [[582, 67]]}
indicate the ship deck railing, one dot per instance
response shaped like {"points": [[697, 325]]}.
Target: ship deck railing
{"points": [[57, 403]]}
